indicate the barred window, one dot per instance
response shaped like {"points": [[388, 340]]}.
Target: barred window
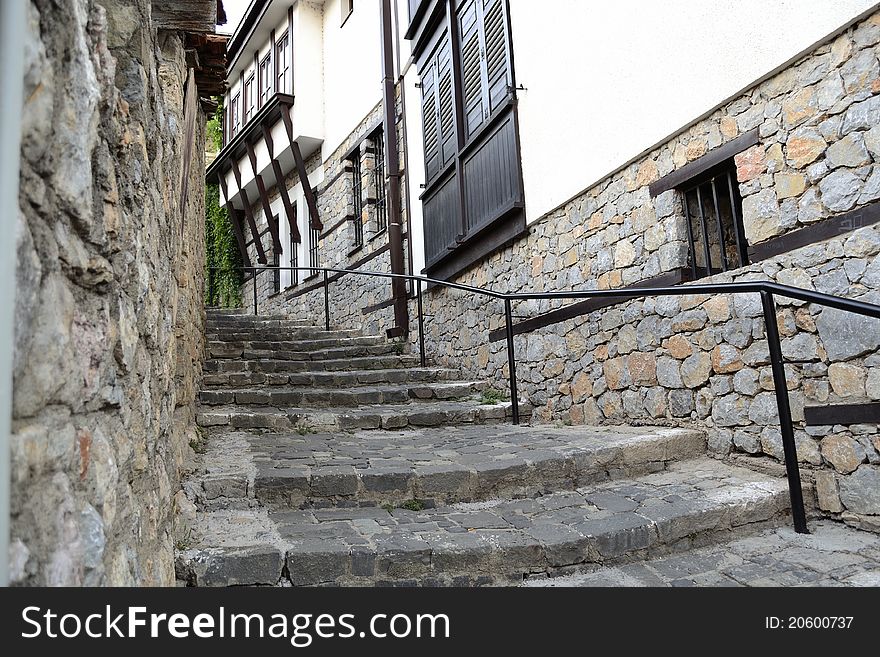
{"points": [[379, 180], [357, 198], [235, 116], [713, 209], [294, 256], [314, 260]]}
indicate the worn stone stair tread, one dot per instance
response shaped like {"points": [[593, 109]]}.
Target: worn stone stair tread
{"points": [[435, 466], [355, 395], [285, 343], [832, 554], [497, 542], [326, 353], [260, 335], [380, 416], [331, 378], [365, 363]]}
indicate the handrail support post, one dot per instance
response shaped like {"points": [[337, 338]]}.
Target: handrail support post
{"points": [[326, 302], [511, 360], [784, 407], [255, 274], [422, 359]]}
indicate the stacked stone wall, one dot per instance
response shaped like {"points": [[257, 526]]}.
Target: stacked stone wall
{"points": [[109, 317], [700, 360]]}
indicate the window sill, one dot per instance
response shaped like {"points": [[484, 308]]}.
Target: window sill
{"points": [[354, 250]]}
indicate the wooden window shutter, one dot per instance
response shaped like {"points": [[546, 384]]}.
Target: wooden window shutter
{"points": [[446, 104], [472, 66], [431, 123], [497, 56]]}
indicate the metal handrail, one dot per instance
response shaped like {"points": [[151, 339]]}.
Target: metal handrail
{"points": [[766, 289]]}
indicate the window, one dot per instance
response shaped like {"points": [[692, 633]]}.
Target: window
{"points": [[347, 7], [357, 187], [485, 71], [379, 182], [236, 116], [473, 194], [250, 99], [265, 79], [282, 56], [713, 210], [276, 273], [294, 256], [438, 111], [314, 261]]}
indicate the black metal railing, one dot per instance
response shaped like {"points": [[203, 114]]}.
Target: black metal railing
{"points": [[766, 289]]}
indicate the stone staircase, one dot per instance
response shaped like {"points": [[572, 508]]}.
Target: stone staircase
{"points": [[333, 458]]}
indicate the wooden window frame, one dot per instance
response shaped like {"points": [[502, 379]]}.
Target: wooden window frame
{"points": [[235, 115], [250, 98], [266, 90], [284, 66]]}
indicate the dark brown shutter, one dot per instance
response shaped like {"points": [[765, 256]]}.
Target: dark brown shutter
{"points": [[471, 66], [497, 58], [446, 104], [431, 123]]}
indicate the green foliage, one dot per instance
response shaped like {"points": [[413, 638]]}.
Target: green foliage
{"points": [[413, 505], [222, 259], [215, 129], [492, 396]]}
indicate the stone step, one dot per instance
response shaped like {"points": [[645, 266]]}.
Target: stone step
{"points": [[235, 349], [280, 366], [251, 322], [212, 311], [434, 466], [313, 354], [337, 379], [349, 398], [397, 416], [692, 503], [832, 554], [259, 335]]}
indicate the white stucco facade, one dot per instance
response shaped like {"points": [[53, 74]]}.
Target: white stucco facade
{"points": [[604, 81]]}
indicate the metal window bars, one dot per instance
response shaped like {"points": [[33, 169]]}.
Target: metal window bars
{"points": [[766, 289], [357, 188], [314, 260], [713, 214], [379, 178]]}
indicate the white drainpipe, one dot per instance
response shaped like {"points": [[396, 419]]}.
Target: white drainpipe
{"points": [[12, 26]]}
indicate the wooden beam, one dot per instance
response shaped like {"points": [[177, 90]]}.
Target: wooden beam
{"points": [[309, 193], [264, 200], [586, 306], [846, 414], [261, 254], [817, 232], [184, 15], [235, 220], [704, 163], [282, 188]]}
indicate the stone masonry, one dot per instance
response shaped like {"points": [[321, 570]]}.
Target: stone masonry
{"points": [[109, 319], [337, 245], [700, 361]]}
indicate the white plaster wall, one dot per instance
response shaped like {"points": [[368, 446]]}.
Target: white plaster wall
{"points": [[352, 69], [606, 80]]}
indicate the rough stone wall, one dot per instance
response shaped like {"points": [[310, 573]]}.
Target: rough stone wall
{"points": [[336, 249], [697, 360], [109, 318]]}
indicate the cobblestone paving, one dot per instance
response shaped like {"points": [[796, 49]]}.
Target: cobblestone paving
{"points": [[832, 555], [496, 540]]}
